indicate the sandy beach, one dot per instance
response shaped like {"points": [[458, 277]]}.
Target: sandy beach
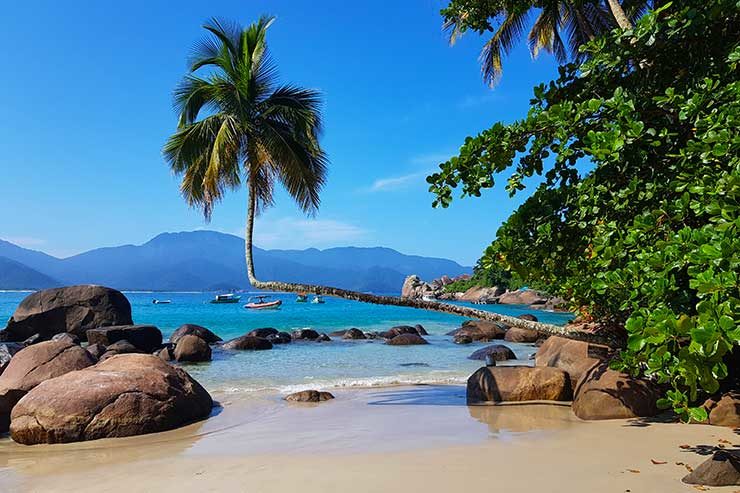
{"points": [[394, 439]]}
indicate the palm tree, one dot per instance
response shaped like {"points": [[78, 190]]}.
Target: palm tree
{"points": [[559, 27], [237, 125]]}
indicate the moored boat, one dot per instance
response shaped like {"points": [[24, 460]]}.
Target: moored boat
{"points": [[301, 298], [226, 298], [161, 302], [261, 303], [317, 299]]}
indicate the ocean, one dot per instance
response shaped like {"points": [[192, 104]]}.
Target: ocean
{"points": [[302, 365]]}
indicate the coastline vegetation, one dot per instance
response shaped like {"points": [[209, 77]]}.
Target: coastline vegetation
{"points": [[646, 240]]}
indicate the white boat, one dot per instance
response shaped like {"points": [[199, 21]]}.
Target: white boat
{"points": [[161, 302], [226, 298], [317, 299], [261, 303]]}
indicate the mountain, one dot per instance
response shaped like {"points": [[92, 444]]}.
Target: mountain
{"points": [[15, 275], [208, 260]]}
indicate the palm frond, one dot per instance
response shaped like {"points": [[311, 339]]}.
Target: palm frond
{"points": [[501, 43]]}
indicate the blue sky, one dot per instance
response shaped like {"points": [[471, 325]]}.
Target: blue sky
{"points": [[87, 106]]}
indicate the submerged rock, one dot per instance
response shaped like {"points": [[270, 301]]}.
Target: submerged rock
{"points": [[147, 338], [722, 469], [36, 364], [196, 330], [73, 309], [191, 348], [248, 343], [129, 394], [518, 383], [309, 396], [406, 340], [498, 351]]}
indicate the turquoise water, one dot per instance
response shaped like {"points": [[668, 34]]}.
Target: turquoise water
{"points": [[301, 365]]}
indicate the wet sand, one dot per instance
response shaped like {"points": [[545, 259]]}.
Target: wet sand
{"points": [[402, 439]]}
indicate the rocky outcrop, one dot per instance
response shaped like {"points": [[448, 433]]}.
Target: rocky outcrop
{"points": [[607, 394], [248, 343], [264, 332], [96, 350], [478, 294], [35, 364], [726, 410], [147, 338], [479, 331], [353, 334], [129, 394], [280, 338], [119, 347], [304, 334], [191, 348], [522, 297], [195, 330], [398, 330], [407, 340], [7, 350], [323, 338], [515, 334], [518, 383], [722, 469], [498, 351], [66, 336], [74, 309], [575, 357], [309, 396]]}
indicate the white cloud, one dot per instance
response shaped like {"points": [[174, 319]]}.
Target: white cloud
{"points": [[432, 159], [429, 162], [473, 101], [25, 241], [395, 182], [299, 233]]}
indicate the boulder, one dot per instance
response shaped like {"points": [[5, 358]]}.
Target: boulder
{"points": [[130, 394], [480, 330], [499, 352], [323, 338], [147, 338], [575, 357], [528, 316], [96, 350], [73, 309], [726, 411], [192, 348], [478, 294], [66, 336], [518, 383], [7, 350], [309, 396], [338, 333], [263, 332], [515, 334], [607, 394], [305, 334], [33, 365], [280, 338], [119, 347], [353, 334], [407, 340], [522, 297], [462, 339], [421, 330], [414, 288], [398, 330], [722, 469], [248, 343], [165, 354], [196, 330]]}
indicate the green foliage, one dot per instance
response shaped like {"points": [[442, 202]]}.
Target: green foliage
{"points": [[647, 236]]}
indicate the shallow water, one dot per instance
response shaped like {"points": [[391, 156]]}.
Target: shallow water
{"points": [[303, 365]]}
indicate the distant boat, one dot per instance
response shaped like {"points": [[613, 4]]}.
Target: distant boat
{"points": [[261, 303], [301, 298], [226, 298], [317, 299], [161, 302]]}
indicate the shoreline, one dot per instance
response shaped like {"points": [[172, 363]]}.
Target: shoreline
{"points": [[395, 439]]}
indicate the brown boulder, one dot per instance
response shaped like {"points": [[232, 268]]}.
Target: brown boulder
{"points": [[145, 337], [196, 330], [726, 412], [522, 297], [518, 383], [248, 343], [353, 334], [309, 396], [498, 351], [280, 338], [35, 364], [119, 347], [129, 394], [515, 334], [304, 334], [407, 340], [480, 330], [607, 394], [722, 469], [398, 330], [264, 332], [575, 357], [73, 309], [192, 348], [96, 350], [7, 350], [529, 317]]}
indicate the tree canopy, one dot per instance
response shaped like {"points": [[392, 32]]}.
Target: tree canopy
{"points": [[636, 220]]}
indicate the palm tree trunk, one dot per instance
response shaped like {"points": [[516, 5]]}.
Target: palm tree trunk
{"points": [[582, 22], [619, 15], [569, 332]]}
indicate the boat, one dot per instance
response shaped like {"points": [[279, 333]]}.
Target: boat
{"points": [[226, 298], [261, 303], [301, 298], [161, 302], [317, 299]]}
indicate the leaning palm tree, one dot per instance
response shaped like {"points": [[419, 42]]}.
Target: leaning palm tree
{"points": [[237, 126]]}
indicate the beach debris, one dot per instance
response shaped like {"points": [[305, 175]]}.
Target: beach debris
{"points": [[635, 471], [685, 446], [309, 396], [658, 462]]}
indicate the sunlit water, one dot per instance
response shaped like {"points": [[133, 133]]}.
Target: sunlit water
{"points": [[303, 365]]}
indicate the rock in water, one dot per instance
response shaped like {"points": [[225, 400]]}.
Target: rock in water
{"points": [[309, 396], [129, 394], [280, 338], [722, 469], [264, 332], [119, 347], [575, 357], [192, 348], [353, 334], [407, 340], [73, 309], [398, 330], [147, 338], [607, 394], [196, 330], [248, 343], [305, 334], [498, 351], [480, 330], [518, 383], [36, 364]]}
